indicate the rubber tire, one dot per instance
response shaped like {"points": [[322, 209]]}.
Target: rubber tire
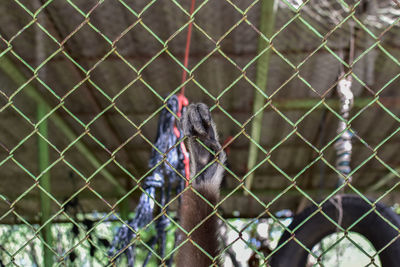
{"points": [[372, 227]]}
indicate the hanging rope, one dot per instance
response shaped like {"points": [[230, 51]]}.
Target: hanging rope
{"points": [[187, 47], [168, 135], [165, 144], [343, 145], [182, 100]]}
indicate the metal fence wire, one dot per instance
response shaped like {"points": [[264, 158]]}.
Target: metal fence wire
{"points": [[304, 94]]}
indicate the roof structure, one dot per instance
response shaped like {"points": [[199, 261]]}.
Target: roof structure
{"points": [[105, 66]]}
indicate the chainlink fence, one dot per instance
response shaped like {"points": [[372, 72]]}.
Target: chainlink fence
{"points": [[83, 82]]}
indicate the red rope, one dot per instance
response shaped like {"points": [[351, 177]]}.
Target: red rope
{"points": [[226, 144], [182, 100], [187, 48]]}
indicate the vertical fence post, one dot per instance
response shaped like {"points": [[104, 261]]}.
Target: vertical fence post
{"points": [[267, 23], [44, 182], [43, 146]]}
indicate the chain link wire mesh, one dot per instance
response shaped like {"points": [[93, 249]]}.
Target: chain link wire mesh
{"points": [[83, 82]]}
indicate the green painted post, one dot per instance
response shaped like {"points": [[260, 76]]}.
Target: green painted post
{"points": [[44, 182], [43, 152], [266, 28], [14, 73]]}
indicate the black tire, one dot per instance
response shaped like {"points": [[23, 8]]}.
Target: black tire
{"points": [[372, 227]]}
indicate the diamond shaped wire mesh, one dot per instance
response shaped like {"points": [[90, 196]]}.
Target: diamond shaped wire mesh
{"points": [[83, 83]]}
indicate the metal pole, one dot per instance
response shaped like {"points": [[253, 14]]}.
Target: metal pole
{"points": [[266, 28], [13, 72], [43, 151], [44, 182]]}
